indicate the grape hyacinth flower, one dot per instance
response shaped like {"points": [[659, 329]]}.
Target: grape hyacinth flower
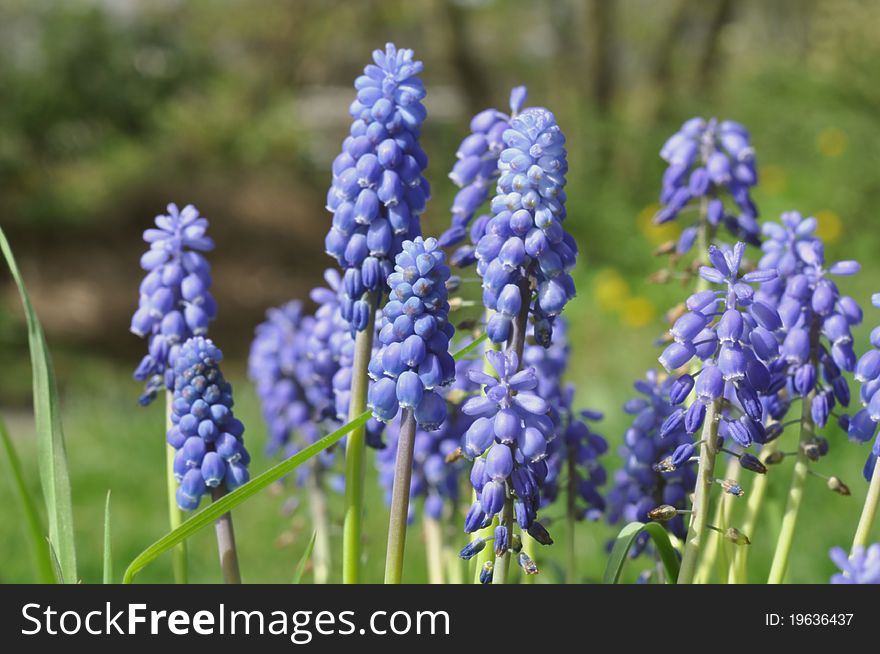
{"points": [[657, 469], [706, 159], [207, 436], [512, 429], [475, 172], [733, 335], [175, 302], [378, 190], [413, 361], [863, 567], [524, 242]]}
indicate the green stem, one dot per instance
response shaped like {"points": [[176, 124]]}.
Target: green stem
{"points": [[355, 454], [175, 516], [795, 495], [716, 541], [400, 498], [226, 542], [869, 510], [318, 509], [702, 489], [571, 520], [433, 549], [739, 569], [530, 547], [502, 563]]}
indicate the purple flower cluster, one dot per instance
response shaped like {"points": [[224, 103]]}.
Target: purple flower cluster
{"points": [[642, 483], [815, 341], [475, 172], [378, 190], [863, 425], [733, 334], [414, 360], [524, 241], [863, 567], [205, 433], [705, 159], [512, 429], [175, 303]]}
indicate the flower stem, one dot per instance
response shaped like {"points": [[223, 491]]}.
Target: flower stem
{"points": [[795, 495], [318, 509], [226, 542], [178, 554], [702, 489], [716, 541], [355, 453], [571, 520], [433, 549], [502, 563], [739, 569], [529, 546], [869, 510], [400, 498]]}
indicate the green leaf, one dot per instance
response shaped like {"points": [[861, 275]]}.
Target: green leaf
{"points": [[36, 531], [625, 540], [56, 566], [231, 500], [52, 453], [301, 566], [108, 556]]}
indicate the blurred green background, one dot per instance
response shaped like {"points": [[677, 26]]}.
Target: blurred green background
{"points": [[110, 109]]}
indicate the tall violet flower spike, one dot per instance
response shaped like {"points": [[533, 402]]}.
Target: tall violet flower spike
{"points": [[862, 568], [656, 470], [815, 341], [414, 361], [863, 425], [175, 303], [475, 172], [378, 190], [512, 429], [707, 158], [525, 240], [727, 331], [205, 433]]}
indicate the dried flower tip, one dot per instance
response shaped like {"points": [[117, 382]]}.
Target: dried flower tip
{"points": [[456, 303], [774, 458], [454, 455], [466, 325], [664, 465], [676, 312], [811, 450], [526, 563], [838, 486], [473, 548], [735, 536], [486, 572], [666, 248], [732, 487], [660, 277], [753, 463], [663, 513]]}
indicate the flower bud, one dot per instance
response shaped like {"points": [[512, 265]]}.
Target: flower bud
{"points": [[663, 513]]}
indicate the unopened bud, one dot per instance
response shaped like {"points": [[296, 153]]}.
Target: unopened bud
{"points": [[753, 463], [539, 533], [486, 572], [838, 486], [665, 248], [774, 457], [453, 283], [735, 536], [473, 548], [660, 277], [466, 325], [454, 455], [664, 465], [516, 543], [811, 450], [663, 513]]}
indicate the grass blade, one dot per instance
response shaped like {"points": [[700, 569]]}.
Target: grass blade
{"points": [[624, 542], [52, 453], [304, 559], [108, 555], [56, 565], [35, 529], [231, 500]]}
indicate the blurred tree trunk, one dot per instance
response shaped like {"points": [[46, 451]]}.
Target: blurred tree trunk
{"points": [[472, 76], [661, 80], [599, 42], [708, 61]]}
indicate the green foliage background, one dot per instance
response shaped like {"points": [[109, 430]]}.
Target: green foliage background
{"points": [[111, 109]]}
